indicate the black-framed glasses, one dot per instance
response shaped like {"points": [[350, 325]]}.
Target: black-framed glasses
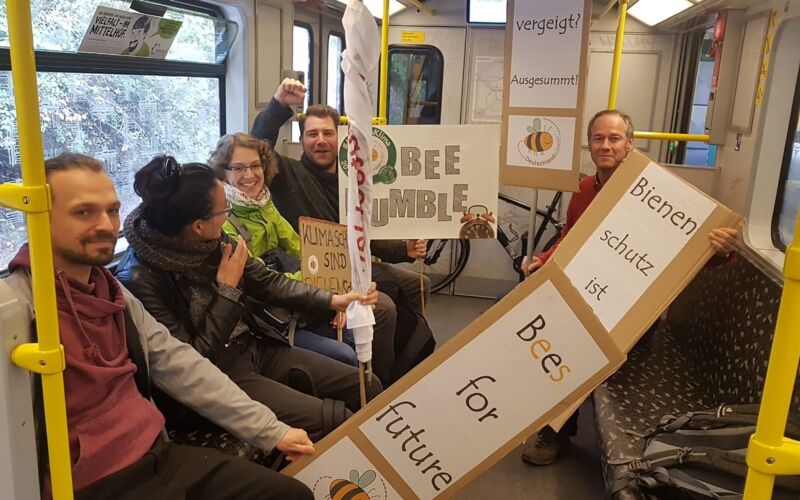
{"points": [[240, 168], [227, 210]]}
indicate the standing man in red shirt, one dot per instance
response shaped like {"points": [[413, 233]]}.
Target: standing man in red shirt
{"points": [[610, 135]]}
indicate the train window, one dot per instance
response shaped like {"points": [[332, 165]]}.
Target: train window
{"points": [[415, 85], [788, 197], [60, 26], [335, 94], [302, 57], [121, 110]]}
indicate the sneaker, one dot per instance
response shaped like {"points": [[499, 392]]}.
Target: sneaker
{"points": [[544, 447]]}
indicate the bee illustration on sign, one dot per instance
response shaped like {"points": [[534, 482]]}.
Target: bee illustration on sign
{"points": [[542, 143], [357, 487], [475, 225]]}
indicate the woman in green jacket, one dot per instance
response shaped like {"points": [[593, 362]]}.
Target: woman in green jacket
{"points": [[246, 165]]}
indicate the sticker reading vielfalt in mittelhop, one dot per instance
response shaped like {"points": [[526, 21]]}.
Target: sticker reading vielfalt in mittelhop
{"points": [[473, 403]]}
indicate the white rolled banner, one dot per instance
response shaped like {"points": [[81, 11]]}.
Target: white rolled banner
{"points": [[360, 66]]}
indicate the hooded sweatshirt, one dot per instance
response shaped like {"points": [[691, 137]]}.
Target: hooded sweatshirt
{"points": [[111, 425]]}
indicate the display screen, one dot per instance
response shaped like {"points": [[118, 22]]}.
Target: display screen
{"points": [[486, 11]]}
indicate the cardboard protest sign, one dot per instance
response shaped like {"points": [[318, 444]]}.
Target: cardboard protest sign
{"points": [[640, 242], [324, 261], [474, 399], [118, 32], [430, 181], [544, 81]]}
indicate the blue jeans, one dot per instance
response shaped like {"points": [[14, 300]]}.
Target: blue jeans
{"points": [[330, 347]]}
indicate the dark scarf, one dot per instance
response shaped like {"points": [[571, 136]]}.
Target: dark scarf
{"points": [[195, 260]]}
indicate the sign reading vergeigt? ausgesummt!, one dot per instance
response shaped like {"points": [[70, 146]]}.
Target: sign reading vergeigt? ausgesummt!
{"points": [[118, 32], [544, 78], [430, 181]]}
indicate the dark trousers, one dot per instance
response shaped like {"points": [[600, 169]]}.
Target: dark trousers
{"points": [[271, 373], [174, 472]]}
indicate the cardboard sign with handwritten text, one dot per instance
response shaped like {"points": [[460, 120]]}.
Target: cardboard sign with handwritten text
{"points": [[325, 262]]}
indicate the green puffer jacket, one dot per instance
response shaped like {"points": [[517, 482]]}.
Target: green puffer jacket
{"points": [[268, 231]]}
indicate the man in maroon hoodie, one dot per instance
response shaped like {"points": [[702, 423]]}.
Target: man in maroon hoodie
{"points": [[115, 431], [610, 136]]}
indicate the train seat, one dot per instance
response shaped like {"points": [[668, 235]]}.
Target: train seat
{"points": [[711, 347]]}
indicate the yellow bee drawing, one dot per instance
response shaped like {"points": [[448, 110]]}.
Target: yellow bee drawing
{"points": [[538, 140], [342, 489]]}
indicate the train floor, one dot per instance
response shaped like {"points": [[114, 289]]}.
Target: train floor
{"points": [[576, 476]]}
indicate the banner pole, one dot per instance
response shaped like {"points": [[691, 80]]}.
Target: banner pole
{"points": [[532, 228], [362, 387], [422, 284]]}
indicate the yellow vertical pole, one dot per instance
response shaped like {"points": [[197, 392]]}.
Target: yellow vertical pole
{"points": [[612, 92], [384, 85], [770, 453], [46, 357]]}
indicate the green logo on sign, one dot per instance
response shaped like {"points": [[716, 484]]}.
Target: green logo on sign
{"points": [[383, 155]]}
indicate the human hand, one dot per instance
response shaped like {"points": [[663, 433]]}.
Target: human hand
{"points": [[231, 266], [340, 302], [294, 444], [290, 92], [723, 239], [339, 320], [529, 267], [417, 249]]}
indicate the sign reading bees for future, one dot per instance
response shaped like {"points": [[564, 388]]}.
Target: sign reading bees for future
{"points": [[472, 401], [544, 81], [437, 181]]}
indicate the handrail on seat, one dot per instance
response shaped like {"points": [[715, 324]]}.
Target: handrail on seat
{"points": [[47, 355], [770, 453]]}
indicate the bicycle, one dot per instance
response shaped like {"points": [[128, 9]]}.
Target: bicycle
{"points": [[446, 259]]}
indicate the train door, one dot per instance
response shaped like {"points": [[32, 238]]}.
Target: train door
{"points": [[426, 73]]}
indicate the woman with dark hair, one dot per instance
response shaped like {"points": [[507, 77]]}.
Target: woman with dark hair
{"points": [[212, 295]]}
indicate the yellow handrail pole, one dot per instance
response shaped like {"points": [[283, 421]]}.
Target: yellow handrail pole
{"points": [[770, 453], [384, 84], [669, 136], [46, 357], [612, 92]]}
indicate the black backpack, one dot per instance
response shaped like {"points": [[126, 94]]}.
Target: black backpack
{"points": [[700, 455]]}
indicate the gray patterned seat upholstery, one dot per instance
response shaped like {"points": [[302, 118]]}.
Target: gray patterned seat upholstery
{"points": [[221, 440], [711, 348]]}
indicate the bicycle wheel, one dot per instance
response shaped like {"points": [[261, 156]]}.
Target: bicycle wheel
{"points": [[445, 261]]}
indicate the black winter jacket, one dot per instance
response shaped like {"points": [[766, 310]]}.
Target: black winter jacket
{"points": [[165, 295], [299, 189]]}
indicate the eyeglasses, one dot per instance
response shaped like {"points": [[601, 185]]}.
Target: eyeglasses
{"points": [[238, 168], [227, 210]]}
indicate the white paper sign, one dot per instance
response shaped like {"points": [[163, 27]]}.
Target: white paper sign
{"points": [[541, 141], [636, 241], [489, 391], [438, 181], [343, 471], [118, 32], [546, 53]]}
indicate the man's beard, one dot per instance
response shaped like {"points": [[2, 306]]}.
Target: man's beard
{"points": [[99, 258]]}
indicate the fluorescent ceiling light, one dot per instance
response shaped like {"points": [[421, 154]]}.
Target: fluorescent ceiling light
{"points": [[652, 12], [376, 7]]}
